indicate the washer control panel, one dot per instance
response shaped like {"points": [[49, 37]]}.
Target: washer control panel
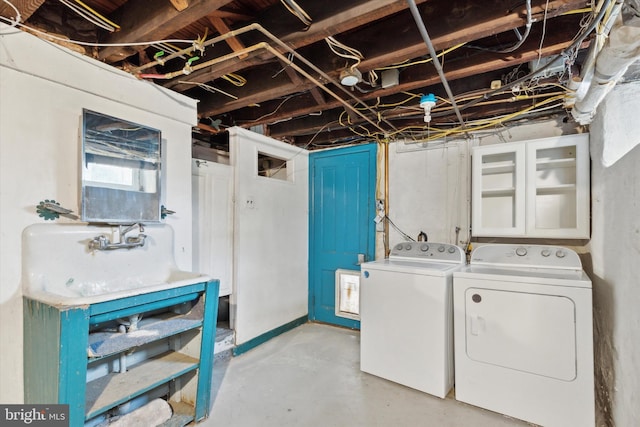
{"points": [[427, 251], [541, 256]]}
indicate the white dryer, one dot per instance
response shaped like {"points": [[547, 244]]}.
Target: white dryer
{"points": [[406, 316], [523, 334]]}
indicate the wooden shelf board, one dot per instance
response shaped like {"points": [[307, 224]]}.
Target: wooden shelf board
{"points": [[183, 414], [116, 388], [104, 344]]}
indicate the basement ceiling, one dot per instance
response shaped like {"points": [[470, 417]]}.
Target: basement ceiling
{"points": [[282, 75]]}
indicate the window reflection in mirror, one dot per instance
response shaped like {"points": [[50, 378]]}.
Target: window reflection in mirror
{"points": [[120, 170]]}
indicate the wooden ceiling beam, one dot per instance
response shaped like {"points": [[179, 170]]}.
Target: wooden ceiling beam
{"points": [[25, 7], [221, 27], [353, 14], [420, 78], [142, 21], [414, 77], [382, 54]]}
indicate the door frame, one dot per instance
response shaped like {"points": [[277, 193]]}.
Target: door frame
{"points": [[372, 149]]}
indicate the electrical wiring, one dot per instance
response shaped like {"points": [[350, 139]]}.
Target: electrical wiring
{"points": [[81, 43], [521, 38], [544, 32], [235, 79], [402, 233], [208, 88], [483, 124], [422, 61], [297, 11], [276, 110], [417, 132], [347, 52], [16, 19], [574, 45], [98, 15], [87, 16], [169, 48]]}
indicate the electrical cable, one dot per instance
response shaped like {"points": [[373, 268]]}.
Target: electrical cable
{"points": [[544, 32], [208, 88], [87, 16], [422, 61], [276, 110], [576, 43], [15, 20], [521, 38], [349, 52], [402, 233], [235, 79], [297, 11], [98, 15], [81, 43]]}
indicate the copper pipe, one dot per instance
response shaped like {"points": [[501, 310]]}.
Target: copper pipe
{"points": [[284, 46]]}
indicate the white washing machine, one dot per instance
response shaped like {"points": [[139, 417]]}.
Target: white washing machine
{"points": [[523, 334], [406, 318]]}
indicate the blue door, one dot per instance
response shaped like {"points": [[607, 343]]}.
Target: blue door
{"points": [[342, 209]]}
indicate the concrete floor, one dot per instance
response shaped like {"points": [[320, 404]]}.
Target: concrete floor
{"points": [[310, 376]]}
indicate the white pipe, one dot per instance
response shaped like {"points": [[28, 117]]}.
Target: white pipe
{"points": [[621, 49]]}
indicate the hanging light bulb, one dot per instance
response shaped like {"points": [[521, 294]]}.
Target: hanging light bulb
{"points": [[427, 102]]}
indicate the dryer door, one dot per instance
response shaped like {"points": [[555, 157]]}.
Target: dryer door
{"points": [[528, 332]]}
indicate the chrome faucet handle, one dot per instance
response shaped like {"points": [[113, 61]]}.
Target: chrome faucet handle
{"points": [[99, 242]]}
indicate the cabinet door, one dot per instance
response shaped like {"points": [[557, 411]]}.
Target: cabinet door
{"points": [[498, 190], [558, 187]]}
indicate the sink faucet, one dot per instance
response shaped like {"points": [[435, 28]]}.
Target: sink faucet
{"points": [[102, 242], [129, 228]]}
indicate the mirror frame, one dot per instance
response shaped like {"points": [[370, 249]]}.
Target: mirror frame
{"points": [[114, 203]]}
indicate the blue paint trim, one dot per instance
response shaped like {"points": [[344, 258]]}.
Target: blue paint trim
{"points": [[72, 381], [372, 149], [119, 304], [261, 339], [207, 342], [141, 308]]}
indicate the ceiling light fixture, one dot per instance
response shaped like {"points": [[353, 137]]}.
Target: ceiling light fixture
{"points": [[350, 77]]}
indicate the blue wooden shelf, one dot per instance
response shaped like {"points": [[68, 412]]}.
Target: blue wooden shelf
{"points": [[58, 342]]}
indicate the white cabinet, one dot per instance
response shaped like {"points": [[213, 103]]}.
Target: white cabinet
{"points": [[537, 188]]}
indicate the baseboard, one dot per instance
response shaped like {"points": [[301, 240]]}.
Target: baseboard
{"points": [[260, 339]]}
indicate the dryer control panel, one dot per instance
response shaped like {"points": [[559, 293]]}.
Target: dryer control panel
{"points": [[427, 251], [533, 256]]}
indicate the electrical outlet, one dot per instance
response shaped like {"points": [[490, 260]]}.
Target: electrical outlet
{"points": [[250, 203]]}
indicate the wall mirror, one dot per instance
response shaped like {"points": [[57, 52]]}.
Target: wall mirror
{"points": [[120, 170]]}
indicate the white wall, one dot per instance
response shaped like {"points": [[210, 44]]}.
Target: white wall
{"points": [[615, 254], [44, 88], [428, 191], [271, 235]]}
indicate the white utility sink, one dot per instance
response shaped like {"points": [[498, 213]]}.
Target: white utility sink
{"points": [[59, 268]]}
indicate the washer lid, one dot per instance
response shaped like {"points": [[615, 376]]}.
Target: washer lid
{"points": [[414, 267]]}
